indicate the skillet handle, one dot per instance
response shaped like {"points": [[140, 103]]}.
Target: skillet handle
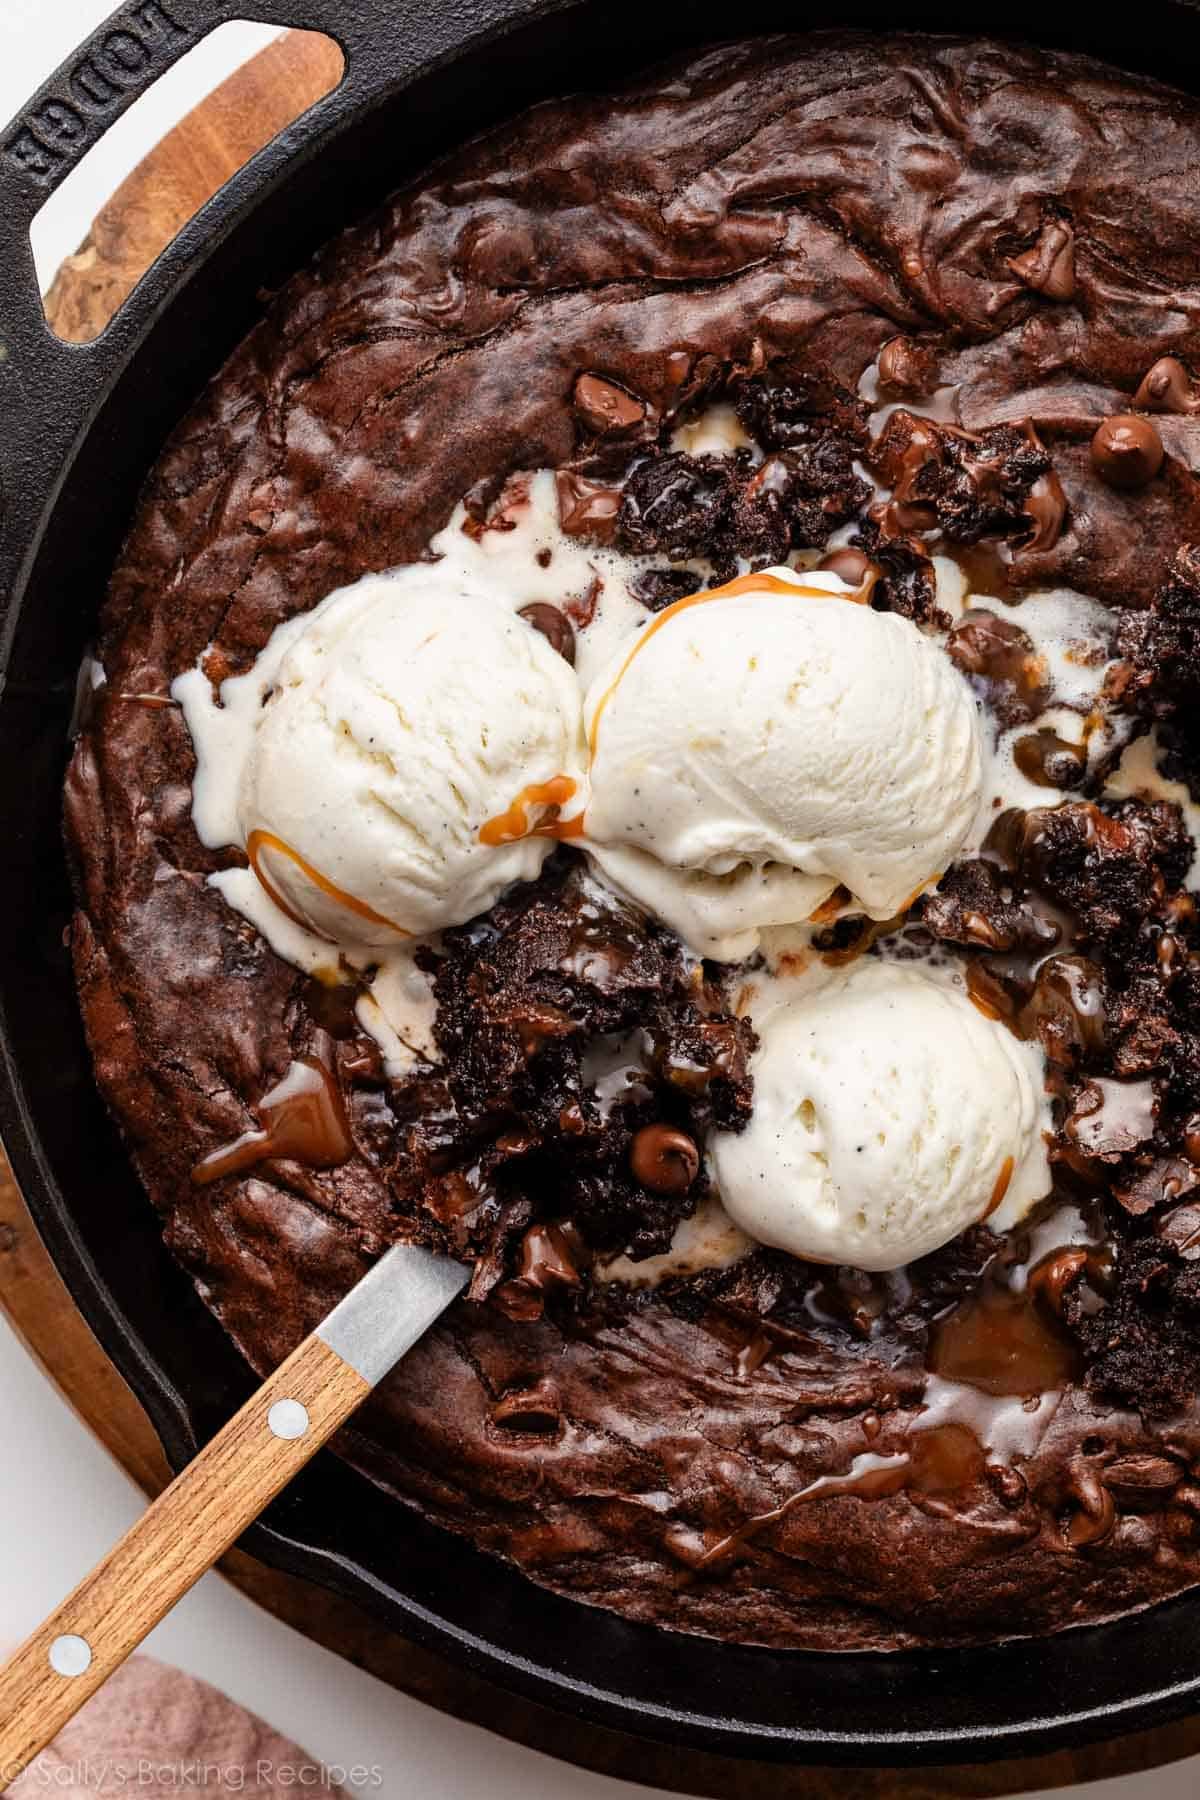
{"points": [[50, 391], [72, 110], [120, 61], [189, 1528]]}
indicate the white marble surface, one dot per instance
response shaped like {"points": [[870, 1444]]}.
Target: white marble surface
{"points": [[63, 1501]]}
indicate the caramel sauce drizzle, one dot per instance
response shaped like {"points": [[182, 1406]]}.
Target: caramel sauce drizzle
{"points": [[258, 841], [509, 826], [829, 909], [1003, 1343], [302, 1117], [942, 1459]]}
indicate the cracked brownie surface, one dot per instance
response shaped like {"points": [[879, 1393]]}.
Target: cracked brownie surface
{"points": [[1005, 242]]}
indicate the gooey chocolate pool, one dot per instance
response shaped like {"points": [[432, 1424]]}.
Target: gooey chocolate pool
{"points": [[643, 736]]}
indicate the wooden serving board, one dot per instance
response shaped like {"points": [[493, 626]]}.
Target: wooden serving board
{"points": [[141, 218]]}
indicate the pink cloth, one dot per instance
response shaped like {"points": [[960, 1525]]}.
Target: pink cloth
{"points": [[152, 1730]]}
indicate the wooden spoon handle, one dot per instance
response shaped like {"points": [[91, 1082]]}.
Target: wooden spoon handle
{"points": [[188, 1528]]}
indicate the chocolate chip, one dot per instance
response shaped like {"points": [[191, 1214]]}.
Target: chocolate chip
{"points": [[554, 626], [360, 1060], [604, 407], [548, 1262], [854, 567], [1066, 1009], [333, 1005], [1167, 1178], [905, 367], [664, 1160], [1168, 388], [901, 518], [1049, 267], [1127, 452]]}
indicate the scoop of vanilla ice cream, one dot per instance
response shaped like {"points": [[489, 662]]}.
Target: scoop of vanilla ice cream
{"points": [[889, 1114], [752, 751], [418, 729]]}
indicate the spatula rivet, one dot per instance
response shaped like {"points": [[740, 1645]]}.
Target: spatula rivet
{"points": [[70, 1656], [288, 1419]]}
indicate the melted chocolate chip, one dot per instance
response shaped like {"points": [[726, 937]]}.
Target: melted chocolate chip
{"points": [[606, 407], [1049, 267], [1065, 1011], [1057, 1273], [1180, 1228], [554, 626], [906, 367], [1001, 659], [333, 1006], [1142, 1483], [1127, 452], [586, 508], [854, 567], [1166, 387], [1046, 509], [530, 1411], [1049, 760], [1094, 1520], [548, 1257]]}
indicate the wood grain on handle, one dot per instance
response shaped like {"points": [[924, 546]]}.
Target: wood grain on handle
{"points": [[187, 1530]]}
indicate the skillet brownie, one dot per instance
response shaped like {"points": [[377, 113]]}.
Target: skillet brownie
{"points": [[915, 320]]}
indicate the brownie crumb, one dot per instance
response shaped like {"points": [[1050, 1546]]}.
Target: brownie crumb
{"points": [[1159, 677], [1081, 936], [567, 1022]]}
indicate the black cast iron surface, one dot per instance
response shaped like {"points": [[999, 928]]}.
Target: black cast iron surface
{"points": [[81, 424]]}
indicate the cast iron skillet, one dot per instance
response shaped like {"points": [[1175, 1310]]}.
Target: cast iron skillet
{"points": [[80, 427]]}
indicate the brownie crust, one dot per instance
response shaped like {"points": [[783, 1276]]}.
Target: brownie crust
{"points": [[1027, 222]]}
